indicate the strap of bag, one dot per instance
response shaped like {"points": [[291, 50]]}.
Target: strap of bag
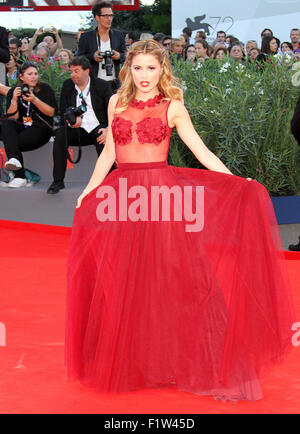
{"points": [[67, 147]]}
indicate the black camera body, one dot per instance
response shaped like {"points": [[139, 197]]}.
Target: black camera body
{"points": [[25, 90], [108, 65], [72, 113]]}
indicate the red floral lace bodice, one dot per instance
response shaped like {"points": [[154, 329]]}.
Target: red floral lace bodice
{"points": [[141, 132]]}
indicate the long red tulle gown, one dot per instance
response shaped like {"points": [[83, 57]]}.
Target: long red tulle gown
{"points": [[154, 304]]}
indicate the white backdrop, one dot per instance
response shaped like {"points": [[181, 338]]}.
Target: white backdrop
{"points": [[245, 19]]}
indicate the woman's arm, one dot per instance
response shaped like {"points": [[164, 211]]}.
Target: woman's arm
{"points": [[41, 105], [106, 158], [13, 103], [179, 117], [4, 89], [32, 42], [58, 44]]}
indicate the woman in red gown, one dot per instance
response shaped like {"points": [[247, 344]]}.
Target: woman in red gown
{"points": [[176, 276]]}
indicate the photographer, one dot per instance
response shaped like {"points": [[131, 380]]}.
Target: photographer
{"points": [[83, 111], [105, 48], [31, 107], [53, 42]]}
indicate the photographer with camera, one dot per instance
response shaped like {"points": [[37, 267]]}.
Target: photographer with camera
{"points": [[83, 112], [53, 42], [105, 48], [31, 107]]}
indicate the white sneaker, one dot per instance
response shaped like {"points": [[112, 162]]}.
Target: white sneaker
{"points": [[17, 182], [13, 164]]}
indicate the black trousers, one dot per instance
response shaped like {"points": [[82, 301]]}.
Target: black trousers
{"points": [[18, 139], [75, 137]]}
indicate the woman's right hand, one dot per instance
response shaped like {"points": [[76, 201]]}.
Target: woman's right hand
{"points": [[16, 94], [79, 200]]}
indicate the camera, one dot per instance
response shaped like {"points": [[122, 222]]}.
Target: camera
{"points": [[108, 65], [48, 28], [25, 90], [72, 113]]}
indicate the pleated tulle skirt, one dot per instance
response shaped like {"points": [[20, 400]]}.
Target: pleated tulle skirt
{"points": [[176, 278]]}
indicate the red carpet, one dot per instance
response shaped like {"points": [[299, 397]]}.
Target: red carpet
{"points": [[32, 309]]}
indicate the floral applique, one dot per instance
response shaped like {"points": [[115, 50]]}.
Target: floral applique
{"points": [[122, 131], [151, 130], [152, 102]]}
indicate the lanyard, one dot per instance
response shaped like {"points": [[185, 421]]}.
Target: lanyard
{"points": [[27, 106]]}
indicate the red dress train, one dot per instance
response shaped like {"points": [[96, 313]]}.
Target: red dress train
{"points": [[156, 302]]}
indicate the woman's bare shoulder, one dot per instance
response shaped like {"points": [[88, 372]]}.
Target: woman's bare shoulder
{"points": [[113, 100], [176, 110]]}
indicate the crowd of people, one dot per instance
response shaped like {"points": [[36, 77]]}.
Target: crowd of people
{"points": [[99, 56], [198, 49]]}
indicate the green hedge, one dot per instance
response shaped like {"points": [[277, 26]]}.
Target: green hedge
{"points": [[243, 115]]}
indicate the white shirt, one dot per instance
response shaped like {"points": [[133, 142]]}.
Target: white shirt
{"points": [[89, 119], [105, 46]]}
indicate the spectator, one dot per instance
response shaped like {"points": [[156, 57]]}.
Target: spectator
{"points": [[31, 120], [159, 37], [236, 53], [297, 53], [295, 39], [24, 50], [10, 35], [221, 38], [15, 46], [286, 46], [167, 43], [43, 54], [53, 41], [146, 36], [219, 52], [202, 50], [230, 40], [94, 42], [200, 35], [250, 44], [11, 70], [188, 32], [91, 127], [65, 55], [270, 45], [176, 47], [266, 32], [130, 38], [253, 54], [190, 54]]}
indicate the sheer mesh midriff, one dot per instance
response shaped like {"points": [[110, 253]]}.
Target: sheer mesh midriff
{"points": [[142, 135]]}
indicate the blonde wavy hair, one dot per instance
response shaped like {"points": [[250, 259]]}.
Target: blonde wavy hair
{"points": [[168, 86]]}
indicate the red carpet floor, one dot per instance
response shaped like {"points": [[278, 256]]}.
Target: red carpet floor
{"points": [[32, 372]]}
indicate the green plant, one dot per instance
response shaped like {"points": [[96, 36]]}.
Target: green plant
{"points": [[243, 114], [52, 72]]}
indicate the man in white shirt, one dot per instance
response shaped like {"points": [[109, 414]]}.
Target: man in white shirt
{"points": [[88, 128]]}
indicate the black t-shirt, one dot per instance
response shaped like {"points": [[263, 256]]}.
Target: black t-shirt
{"points": [[45, 94]]}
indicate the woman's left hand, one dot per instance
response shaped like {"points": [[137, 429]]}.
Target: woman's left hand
{"points": [[31, 98]]}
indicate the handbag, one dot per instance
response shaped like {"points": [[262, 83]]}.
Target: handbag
{"points": [[31, 176]]}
